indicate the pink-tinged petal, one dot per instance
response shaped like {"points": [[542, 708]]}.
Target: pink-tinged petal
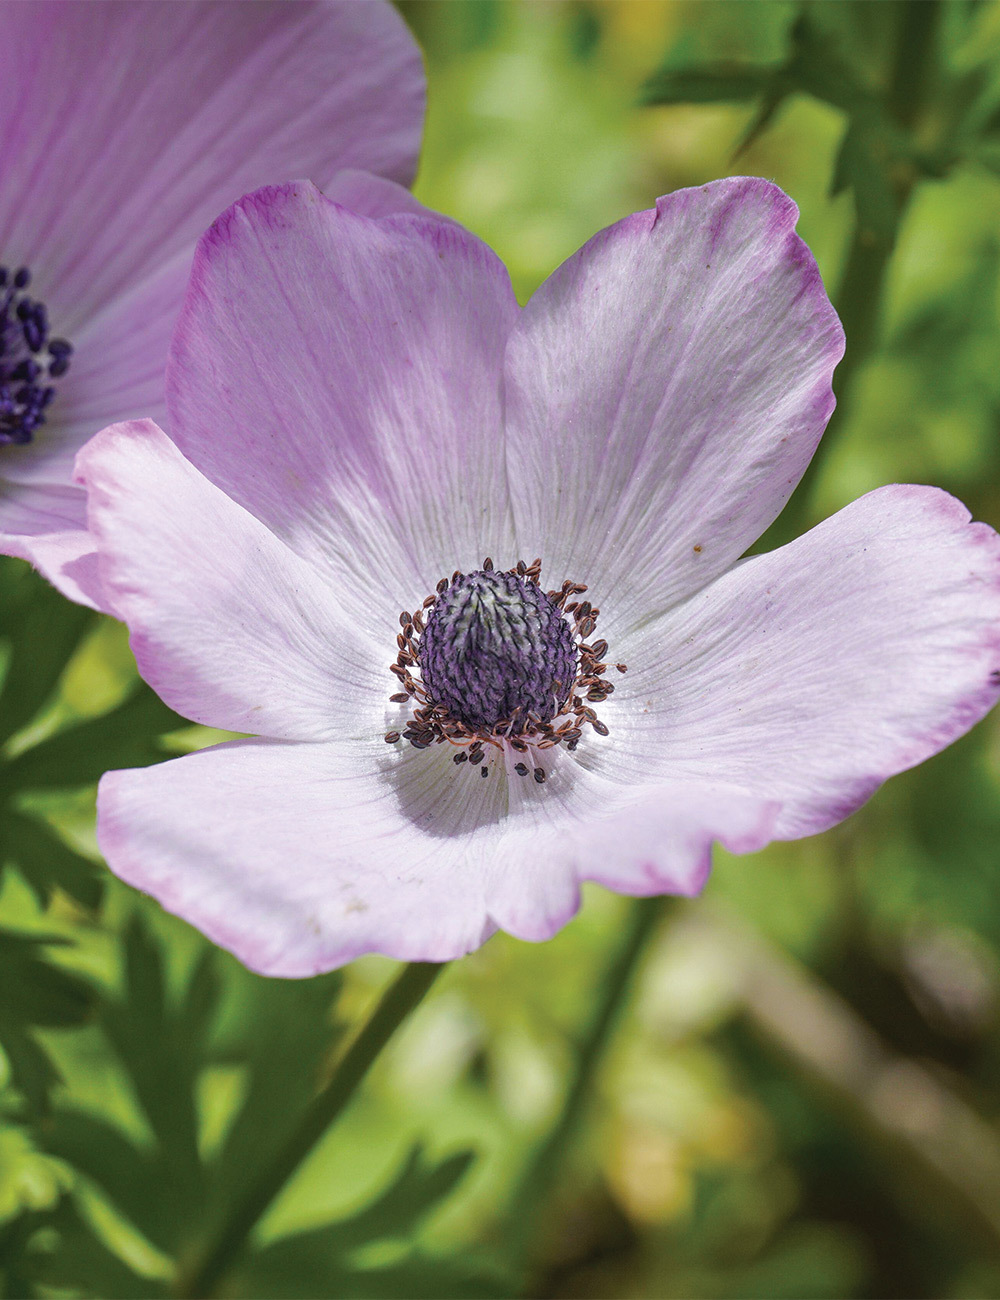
{"points": [[662, 844], [299, 858], [812, 674], [665, 390], [640, 839], [48, 528], [339, 377], [293, 863], [126, 128], [227, 624], [368, 195]]}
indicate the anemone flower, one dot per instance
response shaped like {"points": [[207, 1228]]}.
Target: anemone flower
{"points": [[124, 130], [471, 576]]}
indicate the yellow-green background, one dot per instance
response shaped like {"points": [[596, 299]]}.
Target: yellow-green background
{"points": [[803, 1096]]}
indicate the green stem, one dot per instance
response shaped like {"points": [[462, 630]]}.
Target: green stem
{"points": [[861, 294], [401, 997], [532, 1189]]}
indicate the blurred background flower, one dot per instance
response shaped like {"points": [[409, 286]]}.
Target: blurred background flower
{"points": [[125, 130], [801, 1095]]}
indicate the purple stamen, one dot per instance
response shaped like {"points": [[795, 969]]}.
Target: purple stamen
{"points": [[28, 359]]}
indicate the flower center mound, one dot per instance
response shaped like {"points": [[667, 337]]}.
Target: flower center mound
{"points": [[501, 663]]}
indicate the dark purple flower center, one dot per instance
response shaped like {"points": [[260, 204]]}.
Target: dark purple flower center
{"points": [[29, 359], [497, 648], [491, 663]]}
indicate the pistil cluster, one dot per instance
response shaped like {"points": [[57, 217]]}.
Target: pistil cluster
{"points": [[29, 359], [490, 661]]}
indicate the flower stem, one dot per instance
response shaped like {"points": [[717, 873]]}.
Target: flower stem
{"points": [[532, 1189], [861, 294], [401, 997]]}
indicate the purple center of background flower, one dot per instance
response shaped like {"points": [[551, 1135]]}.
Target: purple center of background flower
{"points": [[497, 647], [24, 370]]}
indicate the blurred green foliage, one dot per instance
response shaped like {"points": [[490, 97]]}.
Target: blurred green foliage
{"points": [[803, 1096]]}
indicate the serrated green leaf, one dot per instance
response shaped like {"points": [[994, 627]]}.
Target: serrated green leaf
{"points": [[45, 629], [47, 862], [82, 1263], [319, 1261], [144, 979], [130, 1177], [127, 736], [200, 999], [817, 67], [862, 166], [776, 95], [301, 1275], [288, 1037], [17, 1267], [35, 992], [717, 84], [163, 1062], [162, 1043], [401, 1208], [32, 1071]]}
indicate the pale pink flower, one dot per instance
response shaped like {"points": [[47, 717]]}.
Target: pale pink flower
{"points": [[358, 409], [125, 128]]}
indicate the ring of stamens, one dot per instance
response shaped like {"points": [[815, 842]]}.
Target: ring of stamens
{"points": [[29, 359], [432, 723]]}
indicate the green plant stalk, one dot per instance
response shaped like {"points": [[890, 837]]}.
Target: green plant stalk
{"points": [[402, 996], [861, 294], [531, 1191]]}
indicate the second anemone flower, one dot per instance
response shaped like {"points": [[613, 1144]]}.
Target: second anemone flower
{"points": [[124, 130], [471, 575]]}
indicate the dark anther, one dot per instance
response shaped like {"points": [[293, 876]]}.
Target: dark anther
{"points": [[493, 659], [28, 359]]}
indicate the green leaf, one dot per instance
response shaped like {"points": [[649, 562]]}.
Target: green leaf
{"points": [[102, 1152], [79, 1262], [162, 1043], [286, 1037], [45, 629], [720, 83], [33, 1072], [47, 862], [200, 999], [303, 1275], [161, 1040], [127, 736], [163, 1061], [34, 992], [862, 165], [317, 1261], [401, 1208]]}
